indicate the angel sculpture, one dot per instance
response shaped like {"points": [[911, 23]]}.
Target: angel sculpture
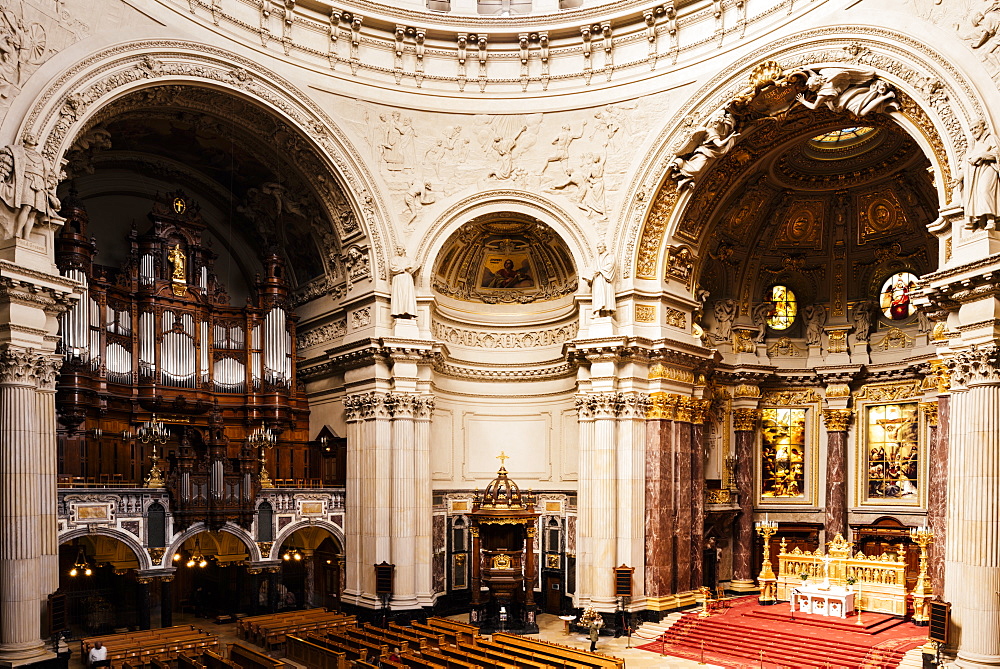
{"points": [[704, 145], [858, 92]]}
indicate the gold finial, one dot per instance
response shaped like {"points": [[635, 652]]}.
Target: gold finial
{"points": [[503, 457]]}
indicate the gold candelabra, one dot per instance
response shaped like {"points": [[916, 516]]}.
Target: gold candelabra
{"points": [[262, 438], [767, 580], [922, 593], [153, 432]]}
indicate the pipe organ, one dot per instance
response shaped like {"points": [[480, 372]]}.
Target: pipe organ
{"points": [[157, 335]]}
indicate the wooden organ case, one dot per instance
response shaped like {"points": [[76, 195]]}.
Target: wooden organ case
{"points": [[158, 337]]}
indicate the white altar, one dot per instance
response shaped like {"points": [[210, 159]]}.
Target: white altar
{"points": [[836, 601]]}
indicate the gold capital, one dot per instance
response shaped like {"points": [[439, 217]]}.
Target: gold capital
{"points": [[837, 420], [745, 420]]}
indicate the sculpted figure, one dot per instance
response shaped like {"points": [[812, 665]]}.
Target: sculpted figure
{"points": [[848, 89], [725, 313], [417, 195], [560, 154], [403, 302], [602, 284], [504, 146], [863, 321], [815, 316], [24, 187], [703, 147], [981, 180], [592, 200], [759, 315]]}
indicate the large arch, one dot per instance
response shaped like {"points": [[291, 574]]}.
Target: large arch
{"points": [[253, 550], [928, 87], [335, 531], [141, 555], [71, 103]]}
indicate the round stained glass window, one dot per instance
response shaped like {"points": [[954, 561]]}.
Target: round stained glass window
{"points": [[784, 307], [894, 297]]}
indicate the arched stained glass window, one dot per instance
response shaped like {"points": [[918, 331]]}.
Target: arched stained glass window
{"points": [[785, 307]]}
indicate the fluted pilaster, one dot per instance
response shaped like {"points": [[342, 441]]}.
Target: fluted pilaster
{"points": [[972, 552], [20, 548], [402, 502], [47, 370], [423, 549]]}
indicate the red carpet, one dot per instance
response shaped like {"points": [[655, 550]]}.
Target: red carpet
{"points": [[747, 634]]}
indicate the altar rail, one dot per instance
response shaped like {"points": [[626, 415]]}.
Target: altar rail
{"points": [[882, 578]]}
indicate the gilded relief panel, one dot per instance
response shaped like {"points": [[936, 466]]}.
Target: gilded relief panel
{"points": [[802, 227], [880, 215]]}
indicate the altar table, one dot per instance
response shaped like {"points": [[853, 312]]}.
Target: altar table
{"points": [[834, 601]]}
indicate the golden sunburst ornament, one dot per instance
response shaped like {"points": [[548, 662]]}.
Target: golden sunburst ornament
{"points": [[766, 74]]}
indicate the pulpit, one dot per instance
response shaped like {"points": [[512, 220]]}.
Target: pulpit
{"points": [[503, 526]]}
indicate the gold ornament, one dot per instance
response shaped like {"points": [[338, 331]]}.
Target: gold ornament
{"points": [[745, 420]]}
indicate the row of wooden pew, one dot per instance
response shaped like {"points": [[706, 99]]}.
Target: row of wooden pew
{"points": [[141, 648], [240, 657], [439, 643], [272, 629]]}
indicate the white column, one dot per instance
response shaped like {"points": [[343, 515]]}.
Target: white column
{"points": [[402, 517], [603, 503], [48, 369], [424, 549], [585, 415], [631, 493], [972, 552], [353, 520], [20, 501]]}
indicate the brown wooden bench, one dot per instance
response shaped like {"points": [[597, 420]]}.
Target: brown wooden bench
{"points": [[248, 658], [185, 662], [313, 655], [527, 657], [557, 654], [467, 631], [497, 654]]}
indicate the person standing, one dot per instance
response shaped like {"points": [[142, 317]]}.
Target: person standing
{"points": [[594, 634]]}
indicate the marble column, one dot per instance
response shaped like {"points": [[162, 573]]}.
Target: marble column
{"points": [[47, 371], [682, 500], [837, 422], [309, 557], [972, 551], [699, 414], [659, 553], [272, 589], [402, 516], [21, 579], [167, 600], [529, 565], [744, 425], [424, 549], [602, 506], [143, 601], [937, 489], [477, 579]]}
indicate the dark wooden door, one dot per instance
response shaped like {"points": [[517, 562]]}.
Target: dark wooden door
{"points": [[553, 594]]}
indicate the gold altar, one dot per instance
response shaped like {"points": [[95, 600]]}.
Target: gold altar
{"points": [[879, 579]]}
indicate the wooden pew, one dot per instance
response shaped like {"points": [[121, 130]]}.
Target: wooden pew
{"points": [[314, 655], [527, 657], [480, 649], [248, 658], [185, 662], [557, 654], [432, 639], [213, 660], [444, 660], [468, 632], [480, 658]]}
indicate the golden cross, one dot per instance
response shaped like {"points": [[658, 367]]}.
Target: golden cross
{"points": [[502, 457]]}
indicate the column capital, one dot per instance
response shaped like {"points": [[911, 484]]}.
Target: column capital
{"points": [[977, 366], [47, 369], [837, 420], [745, 420], [19, 366], [930, 410]]}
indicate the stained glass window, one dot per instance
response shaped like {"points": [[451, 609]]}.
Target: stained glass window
{"points": [[842, 135], [783, 452], [894, 298], [893, 451], [785, 307]]}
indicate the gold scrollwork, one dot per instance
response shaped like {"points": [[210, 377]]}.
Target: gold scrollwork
{"points": [[718, 496], [742, 342], [645, 313], [837, 420], [784, 398], [890, 392], [156, 554], [930, 411], [836, 341], [746, 390], [502, 561], [835, 390]]}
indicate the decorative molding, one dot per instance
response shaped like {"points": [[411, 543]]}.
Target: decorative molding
{"points": [[746, 390], [892, 391], [501, 339], [323, 334], [675, 318], [838, 390], [645, 313], [837, 420], [894, 338], [660, 371], [784, 398], [977, 366]]}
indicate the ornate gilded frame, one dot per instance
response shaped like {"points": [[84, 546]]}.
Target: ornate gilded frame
{"points": [[797, 398], [881, 394]]}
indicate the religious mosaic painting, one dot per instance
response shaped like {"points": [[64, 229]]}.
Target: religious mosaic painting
{"points": [[783, 449], [893, 451], [894, 296], [785, 306]]}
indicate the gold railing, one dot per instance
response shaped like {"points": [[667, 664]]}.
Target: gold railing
{"points": [[880, 579]]}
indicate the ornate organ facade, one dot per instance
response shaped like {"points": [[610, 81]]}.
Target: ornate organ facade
{"points": [[156, 338]]}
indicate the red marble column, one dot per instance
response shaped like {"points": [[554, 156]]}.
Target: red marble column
{"points": [[659, 540], [682, 504], [937, 489], [697, 498], [476, 566], [744, 425], [529, 567], [836, 421]]}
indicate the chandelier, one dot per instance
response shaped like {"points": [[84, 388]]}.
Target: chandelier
{"points": [[291, 553], [262, 438], [81, 566], [196, 557]]}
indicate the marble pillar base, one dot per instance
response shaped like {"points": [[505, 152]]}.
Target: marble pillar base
{"points": [[743, 586], [36, 658]]}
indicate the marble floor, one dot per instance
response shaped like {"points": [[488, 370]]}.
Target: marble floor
{"points": [[550, 629]]}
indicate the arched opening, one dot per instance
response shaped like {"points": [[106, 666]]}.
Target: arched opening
{"points": [[97, 577], [311, 574], [210, 577]]}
